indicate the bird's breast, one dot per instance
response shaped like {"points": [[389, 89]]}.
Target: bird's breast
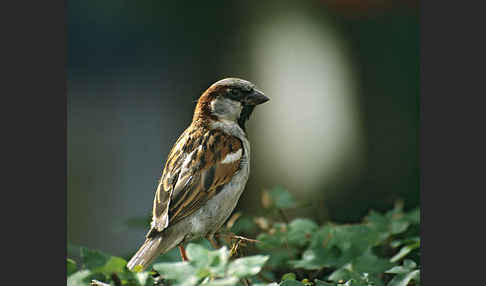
{"points": [[210, 217]]}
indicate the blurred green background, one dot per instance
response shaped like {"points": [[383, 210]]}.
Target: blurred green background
{"points": [[340, 131]]}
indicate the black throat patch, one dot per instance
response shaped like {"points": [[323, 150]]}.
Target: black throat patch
{"points": [[245, 115]]}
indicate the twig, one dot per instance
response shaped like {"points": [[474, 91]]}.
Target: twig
{"points": [[234, 236], [280, 211]]}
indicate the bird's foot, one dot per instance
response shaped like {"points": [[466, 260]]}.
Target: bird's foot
{"points": [[229, 236], [234, 240]]}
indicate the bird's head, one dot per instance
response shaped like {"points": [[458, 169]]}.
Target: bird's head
{"points": [[229, 99]]}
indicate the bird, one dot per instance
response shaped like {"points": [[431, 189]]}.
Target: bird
{"points": [[205, 172]]}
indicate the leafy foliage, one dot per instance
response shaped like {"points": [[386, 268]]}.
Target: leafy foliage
{"points": [[383, 250]]}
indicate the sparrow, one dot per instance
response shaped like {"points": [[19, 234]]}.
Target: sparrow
{"points": [[205, 173]]}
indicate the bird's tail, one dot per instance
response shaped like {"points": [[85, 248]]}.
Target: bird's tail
{"points": [[146, 254]]}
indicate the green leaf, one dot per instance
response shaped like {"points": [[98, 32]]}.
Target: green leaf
{"points": [[398, 226], [300, 231], [393, 222], [404, 279], [289, 276], [267, 241], [277, 239], [98, 283], [276, 245], [335, 245], [404, 251], [398, 221], [198, 255], [370, 263], [142, 278], [228, 281], [379, 223], [244, 225], [93, 259], [170, 256], [113, 265], [247, 266], [323, 283], [344, 273], [398, 270], [209, 262], [354, 239], [99, 262], [410, 240], [129, 278], [291, 283], [353, 277], [175, 270], [182, 272], [265, 284], [71, 266], [346, 255], [322, 251], [315, 259], [282, 198], [414, 216], [279, 258], [408, 266], [80, 278]]}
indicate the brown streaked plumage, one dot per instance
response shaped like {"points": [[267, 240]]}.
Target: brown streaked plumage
{"points": [[205, 172], [192, 190]]}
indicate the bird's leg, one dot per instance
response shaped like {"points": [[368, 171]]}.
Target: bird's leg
{"points": [[183, 253], [214, 243]]}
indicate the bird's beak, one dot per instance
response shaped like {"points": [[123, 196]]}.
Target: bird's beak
{"points": [[257, 97]]}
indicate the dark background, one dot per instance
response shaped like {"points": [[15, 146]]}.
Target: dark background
{"points": [[341, 130]]}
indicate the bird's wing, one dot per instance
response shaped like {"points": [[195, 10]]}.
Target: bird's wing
{"points": [[198, 167]]}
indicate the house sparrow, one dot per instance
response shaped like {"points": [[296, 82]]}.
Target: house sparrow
{"points": [[205, 172]]}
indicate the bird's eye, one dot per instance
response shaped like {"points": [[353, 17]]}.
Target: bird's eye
{"points": [[232, 93]]}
